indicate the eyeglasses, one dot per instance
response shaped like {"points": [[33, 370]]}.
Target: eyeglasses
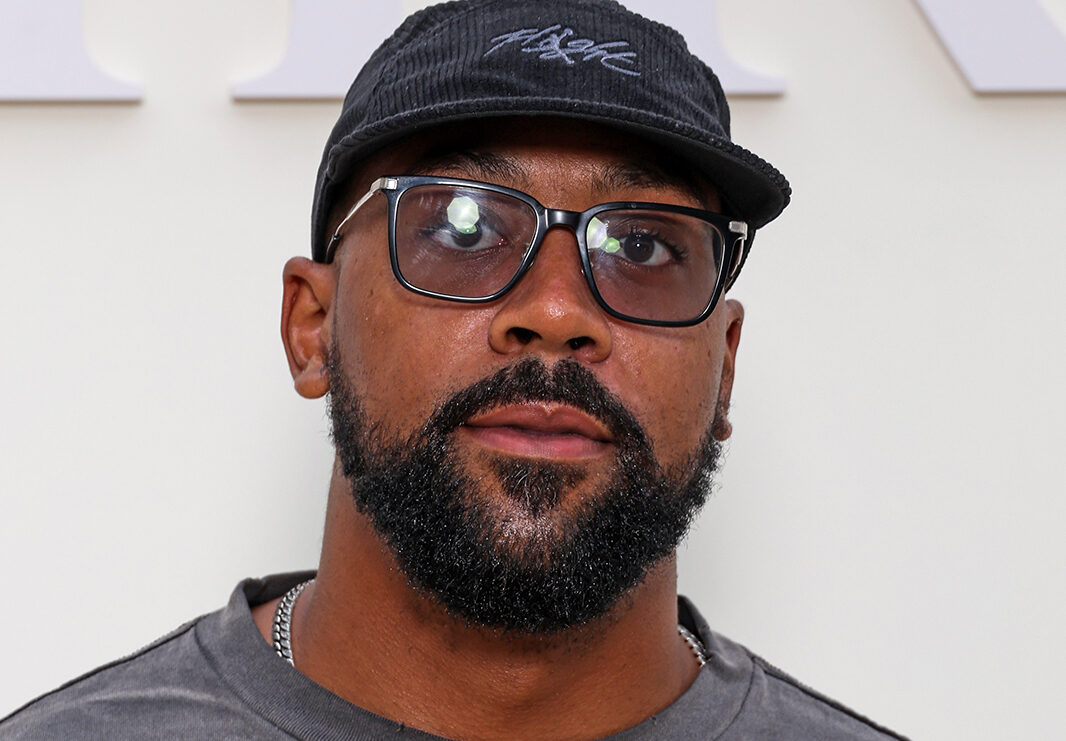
{"points": [[463, 240]]}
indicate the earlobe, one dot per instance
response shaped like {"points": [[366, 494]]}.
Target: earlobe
{"points": [[734, 320], [308, 294]]}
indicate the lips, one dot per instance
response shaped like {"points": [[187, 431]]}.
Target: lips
{"points": [[540, 430]]}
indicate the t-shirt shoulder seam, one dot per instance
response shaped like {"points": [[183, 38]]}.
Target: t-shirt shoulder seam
{"points": [[743, 702], [783, 676], [176, 633], [210, 660]]}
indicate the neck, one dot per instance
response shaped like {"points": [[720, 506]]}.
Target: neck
{"points": [[362, 632]]}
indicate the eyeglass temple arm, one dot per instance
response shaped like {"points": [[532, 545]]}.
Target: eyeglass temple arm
{"points": [[739, 228], [378, 185]]}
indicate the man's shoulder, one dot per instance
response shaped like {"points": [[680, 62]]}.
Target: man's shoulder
{"points": [[767, 703], [133, 688], [780, 706], [187, 684], [213, 677]]}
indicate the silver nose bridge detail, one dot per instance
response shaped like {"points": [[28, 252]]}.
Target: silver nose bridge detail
{"points": [[562, 217], [559, 217]]}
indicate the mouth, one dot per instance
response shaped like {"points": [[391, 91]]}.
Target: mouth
{"points": [[536, 430]]}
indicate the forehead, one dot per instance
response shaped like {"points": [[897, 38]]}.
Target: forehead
{"points": [[523, 152]]}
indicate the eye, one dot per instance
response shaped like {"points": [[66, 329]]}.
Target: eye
{"points": [[645, 249], [637, 243], [465, 224]]}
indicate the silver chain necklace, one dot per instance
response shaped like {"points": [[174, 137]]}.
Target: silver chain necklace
{"points": [[283, 629], [694, 643], [283, 622]]}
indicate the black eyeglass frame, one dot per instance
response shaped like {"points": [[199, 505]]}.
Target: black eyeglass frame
{"points": [[394, 186]]}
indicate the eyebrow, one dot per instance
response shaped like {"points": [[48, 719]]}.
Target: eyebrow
{"points": [[615, 176], [474, 165], [634, 174]]}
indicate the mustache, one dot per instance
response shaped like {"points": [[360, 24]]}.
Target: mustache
{"points": [[531, 380]]}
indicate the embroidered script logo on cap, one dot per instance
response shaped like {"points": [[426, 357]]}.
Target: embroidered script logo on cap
{"points": [[548, 42]]}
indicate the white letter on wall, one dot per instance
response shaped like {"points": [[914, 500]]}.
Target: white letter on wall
{"points": [[330, 40], [1002, 46], [706, 43], [43, 56]]}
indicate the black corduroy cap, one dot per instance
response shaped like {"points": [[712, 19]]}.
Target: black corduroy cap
{"points": [[591, 60]]}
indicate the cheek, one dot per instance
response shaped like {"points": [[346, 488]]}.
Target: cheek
{"points": [[674, 391], [400, 349]]}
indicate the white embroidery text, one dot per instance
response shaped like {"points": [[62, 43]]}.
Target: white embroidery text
{"points": [[548, 44]]}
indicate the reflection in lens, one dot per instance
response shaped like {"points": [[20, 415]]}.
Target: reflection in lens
{"points": [[463, 213], [598, 239]]}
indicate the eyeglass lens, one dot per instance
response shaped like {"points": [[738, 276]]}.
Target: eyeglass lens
{"points": [[470, 243]]}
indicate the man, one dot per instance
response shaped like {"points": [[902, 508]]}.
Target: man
{"points": [[524, 225]]}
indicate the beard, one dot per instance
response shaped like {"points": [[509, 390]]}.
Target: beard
{"points": [[528, 565]]}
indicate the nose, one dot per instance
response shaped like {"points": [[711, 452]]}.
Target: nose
{"points": [[552, 309]]}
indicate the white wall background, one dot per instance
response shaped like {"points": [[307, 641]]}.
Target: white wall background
{"points": [[889, 523]]}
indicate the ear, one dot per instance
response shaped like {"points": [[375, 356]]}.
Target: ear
{"points": [[734, 320], [308, 295]]}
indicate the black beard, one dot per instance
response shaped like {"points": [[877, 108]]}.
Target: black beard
{"points": [[450, 542]]}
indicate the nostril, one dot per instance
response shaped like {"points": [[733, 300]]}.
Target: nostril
{"points": [[523, 335], [579, 342]]}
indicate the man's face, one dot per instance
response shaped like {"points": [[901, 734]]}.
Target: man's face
{"points": [[528, 459]]}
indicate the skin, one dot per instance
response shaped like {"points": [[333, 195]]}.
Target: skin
{"points": [[360, 630]]}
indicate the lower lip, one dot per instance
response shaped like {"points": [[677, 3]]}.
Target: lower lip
{"points": [[517, 441]]}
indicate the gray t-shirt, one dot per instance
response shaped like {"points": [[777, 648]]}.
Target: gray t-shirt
{"points": [[216, 678]]}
